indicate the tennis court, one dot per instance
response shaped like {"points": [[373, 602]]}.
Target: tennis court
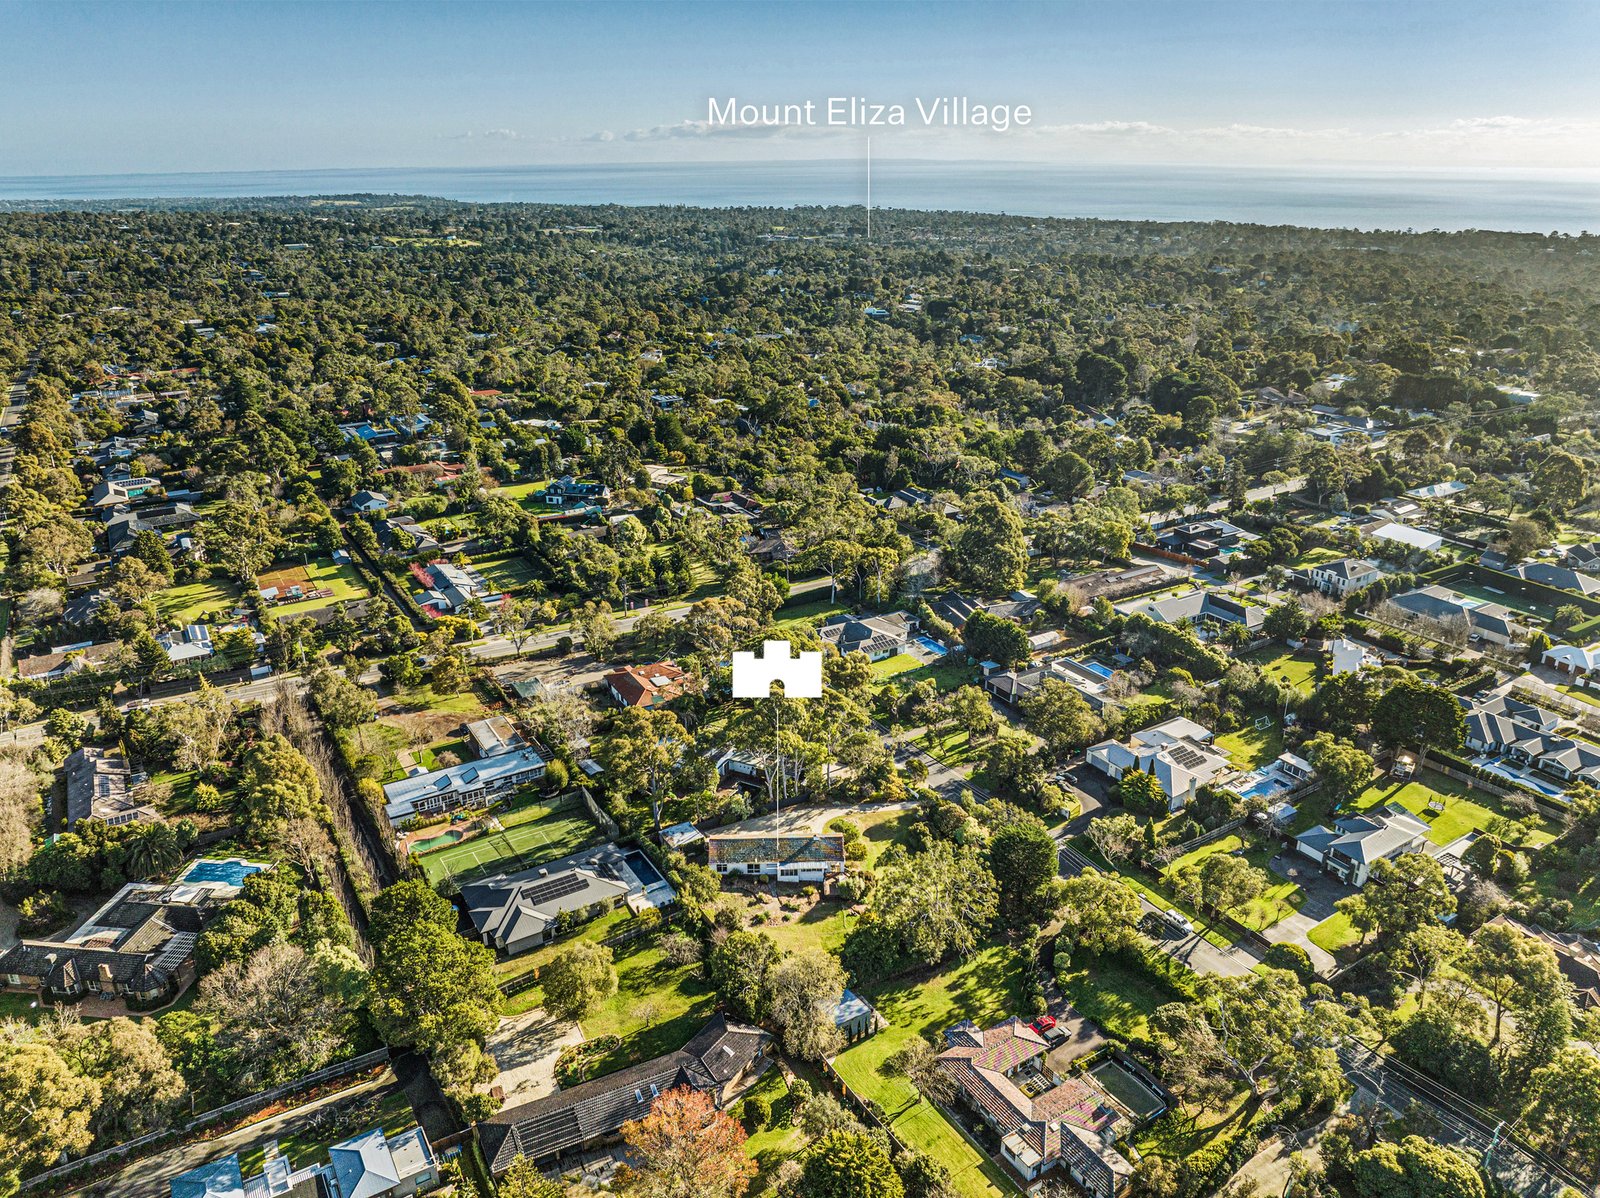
{"points": [[540, 835]]}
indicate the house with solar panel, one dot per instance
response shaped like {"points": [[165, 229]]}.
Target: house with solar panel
{"points": [[514, 913], [1179, 753], [722, 1060], [370, 1165], [804, 858]]}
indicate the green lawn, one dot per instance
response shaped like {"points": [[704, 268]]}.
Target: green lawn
{"points": [[506, 573], [1281, 897], [770, 1146], [1160, 896], [1334, 933], [953, 746], [806, 616], [1460, 815], [1582, 693], [1120, 992], [982, 989], [595, 929], [521, 845], [186, 603], [1296, 670], [1249, 748]]}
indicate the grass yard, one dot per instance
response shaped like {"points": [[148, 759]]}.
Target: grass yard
{"points": [[1581, 693], [531, 841], [1281, 898], [804, 617], [770, 1146], [954, 746], [1295, 670], [1461, 814], [185, 604], [1249, 748], [1160, 896], [506, 573], [1121, 991], [1334, 933], [982, 989]]}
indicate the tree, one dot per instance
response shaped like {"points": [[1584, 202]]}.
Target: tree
{"points": [[968, 708], [1560, 481], [45, 1108], [993, 638], [924, 1177], [1414, 1168], [737, 968], [524, 1180], [1099, 912], [1287, 621], [1221, 882], [429, 986], [1344, 769], [19, 811], [597, 629], [1141, 792], [1401, 895], [1564, 1116], [1022, 857], [803, 990], [917, 1061], [576, 979], [849, 1164], [1420, 713], [645, 748], [1522, 537], [1061, 717], [686, 1148], [990, 553], [1513, 971], [140, 1091], [341, 702], [277, 784], [1115, 837], [937, 904], [276, 1017]]}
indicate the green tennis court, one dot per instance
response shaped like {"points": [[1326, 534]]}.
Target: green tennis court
{"points": [[519, 846]]}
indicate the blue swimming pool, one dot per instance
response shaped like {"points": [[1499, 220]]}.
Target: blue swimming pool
{"points": [[642, 868], [1262, 784], [232, 872], [1095, 667], [931, 645]]}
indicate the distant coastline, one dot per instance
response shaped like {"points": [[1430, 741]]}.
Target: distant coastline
{"points": [[1533, 201]]}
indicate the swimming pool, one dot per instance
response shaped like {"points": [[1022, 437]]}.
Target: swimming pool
{"points": [[1528, 778], [438, 842], [932, 646], [642, 868], [232, 872], [1262, 784], [1094, 667]]}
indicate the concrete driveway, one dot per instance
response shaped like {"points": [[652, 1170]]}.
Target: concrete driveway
{"points": [[526, 1047]]}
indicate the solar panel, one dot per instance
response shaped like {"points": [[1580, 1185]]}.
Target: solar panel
{"points": [[553, 888], [1186, 757]]}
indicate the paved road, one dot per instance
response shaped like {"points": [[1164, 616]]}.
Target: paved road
{"points": [[1195, 951], [152, 1176]]}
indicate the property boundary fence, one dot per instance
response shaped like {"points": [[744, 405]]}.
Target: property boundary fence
{"points": [[126, 1153]]}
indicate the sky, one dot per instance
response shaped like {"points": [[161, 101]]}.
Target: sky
{"points": [[136, 86]]}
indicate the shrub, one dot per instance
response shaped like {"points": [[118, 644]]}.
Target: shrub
{"points": [[1291, 957], [757, 1113]]}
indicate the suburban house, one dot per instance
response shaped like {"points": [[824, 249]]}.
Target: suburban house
{"points": [[1203, 608], [113, 491], [1584, 557], [1346, 656], [653, 685], [365, 502], [83, 609], [139, 944], [1404, 534], [1560, 577], [66, 661], [101, 785], [189, 643], [722, 1060], [955, 609], [1210, 541], [1577, 956], [569, 492], [1013, 686], [783, 858], [854, 1017], [1495, 726], [1570, 659], [371, 1165], [470, 784], [451, 587], [1343, 576], [1044, 1121], [1488, 621], [122, 525], [1178, 753], [1348, 850], [1559, 756], [751, 767], [514, 913], [879, 637], [406, 535]]}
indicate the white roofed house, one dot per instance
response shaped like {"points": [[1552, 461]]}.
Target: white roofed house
{"points": [[454, 587], [1347, 656], [470, 784], [1178, 753], [1573, 660]]}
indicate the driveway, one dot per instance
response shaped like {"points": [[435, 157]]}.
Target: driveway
{"points": [[809, 820], [1321, 893], [525, 1047]]}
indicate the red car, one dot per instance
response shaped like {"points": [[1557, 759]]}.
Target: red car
{"points": [[1044, 1023]]}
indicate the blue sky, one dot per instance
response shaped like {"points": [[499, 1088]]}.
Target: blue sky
{"points": [[137, 86]]}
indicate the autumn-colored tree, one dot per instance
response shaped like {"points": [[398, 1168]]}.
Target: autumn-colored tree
{"points": [[686, 1148]]}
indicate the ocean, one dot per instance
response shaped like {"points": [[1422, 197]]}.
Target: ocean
{"points": [[1532, 201]]}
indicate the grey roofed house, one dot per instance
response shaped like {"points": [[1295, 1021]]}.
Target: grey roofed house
{"points": [[83, 609], [1349, 849], [1489, 620], [1584, 557], [101, 785], [1197, 607], [122, 525], [495, 735], [472, 783], [720, 1060], [876, 636], [1560, 577], [955, 608], [516, 912], [764, 852]]}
